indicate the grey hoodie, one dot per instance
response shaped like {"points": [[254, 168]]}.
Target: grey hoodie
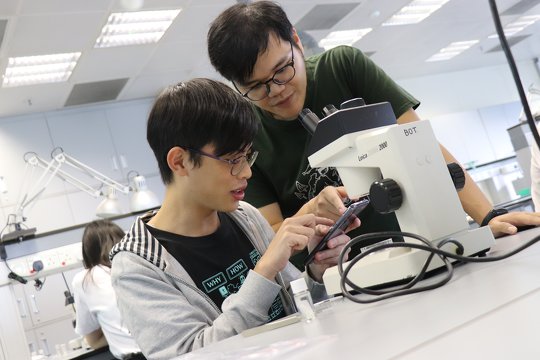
{"points": [[165, 311]]}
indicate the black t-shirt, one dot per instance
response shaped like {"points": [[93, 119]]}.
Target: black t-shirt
{"points": [[218, 263]]}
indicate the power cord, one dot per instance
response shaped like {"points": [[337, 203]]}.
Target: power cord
{"points": [[12, 274], [70, 300], [514, 70], [3, 256], [38, 284], [408, 287]]}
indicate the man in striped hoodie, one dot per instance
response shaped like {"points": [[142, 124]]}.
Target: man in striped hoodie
{"points": [[207, 265]]}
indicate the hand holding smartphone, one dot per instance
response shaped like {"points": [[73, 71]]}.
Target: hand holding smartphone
{"points": [[339, 227]]}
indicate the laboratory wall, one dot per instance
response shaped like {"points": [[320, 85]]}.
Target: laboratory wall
{"points": [[460, 91], [110, 139], [469, 111]]}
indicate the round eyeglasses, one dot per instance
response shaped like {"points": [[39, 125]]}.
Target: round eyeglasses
{"points": [[282, 76], [237, 164]]}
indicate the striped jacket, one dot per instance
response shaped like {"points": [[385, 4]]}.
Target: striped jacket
{"points": [[165, 311]]}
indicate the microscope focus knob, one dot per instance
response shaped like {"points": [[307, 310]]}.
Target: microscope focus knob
{"points": [[457, 174], [385, 195]]}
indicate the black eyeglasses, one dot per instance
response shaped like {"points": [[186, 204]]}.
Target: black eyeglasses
{"points": [[281, 77], [237, 164]]}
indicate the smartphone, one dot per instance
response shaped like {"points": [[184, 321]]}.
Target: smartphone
{"points": [[339, 227]]}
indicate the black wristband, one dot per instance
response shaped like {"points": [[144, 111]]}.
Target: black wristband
{"points": [[493, 213]]}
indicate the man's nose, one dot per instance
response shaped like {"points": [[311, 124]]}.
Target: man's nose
{"points": [[275, 89]]}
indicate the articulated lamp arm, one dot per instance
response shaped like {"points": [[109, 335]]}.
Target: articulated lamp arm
{"points": [[16, 220], [142, 198], [61, 157], [33, 161]]}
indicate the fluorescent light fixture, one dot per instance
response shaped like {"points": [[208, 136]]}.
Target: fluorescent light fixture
{"points": [[41, 69], [135, 28], [345, 37], [452, 50], [415, 12], [516, 26]]}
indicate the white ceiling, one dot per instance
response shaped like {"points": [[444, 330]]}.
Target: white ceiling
{"points": [[38, 27]]}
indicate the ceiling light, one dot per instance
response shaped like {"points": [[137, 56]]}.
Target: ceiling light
{"points": [[517, 25], [452, 50], [346, 37], [415, 12], [30, 70], [135, 28]]}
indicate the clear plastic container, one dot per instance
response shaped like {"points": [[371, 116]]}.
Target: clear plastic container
{"points": [[302, 299]]}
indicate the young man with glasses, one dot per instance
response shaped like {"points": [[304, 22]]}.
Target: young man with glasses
{"points": [[264, 60], [206, 265]]}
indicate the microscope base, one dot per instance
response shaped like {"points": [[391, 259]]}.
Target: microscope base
{"points": [[397, 264]]}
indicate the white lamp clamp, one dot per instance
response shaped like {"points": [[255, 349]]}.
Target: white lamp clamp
{"points": [[363, 142], [144, 199], [15, 222]]}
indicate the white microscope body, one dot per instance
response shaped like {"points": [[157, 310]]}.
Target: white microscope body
{"points": [[410, 155]]}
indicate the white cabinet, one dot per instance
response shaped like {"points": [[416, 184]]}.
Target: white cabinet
{"points": [[19, 135], [128, 129], [46, 320], [109, 138], [12, 340], [49, 337], [464, 136], [85, 136]]}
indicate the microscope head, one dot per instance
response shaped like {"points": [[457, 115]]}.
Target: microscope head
{"points": [[352, 117], [335, 137]]}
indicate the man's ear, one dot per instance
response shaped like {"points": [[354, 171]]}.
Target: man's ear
{"points": [[296, 40], [178, 160]]}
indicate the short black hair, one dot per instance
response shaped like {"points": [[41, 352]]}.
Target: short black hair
{"points": [[240, 33], [195, 113]]}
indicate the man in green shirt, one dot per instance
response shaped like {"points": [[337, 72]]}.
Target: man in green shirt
{"points": [[256, 47]]}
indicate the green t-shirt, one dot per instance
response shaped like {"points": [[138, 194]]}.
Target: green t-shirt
{"points": [[282, 173]]}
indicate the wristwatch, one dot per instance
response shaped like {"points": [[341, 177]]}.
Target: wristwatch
{"points": [[493, 213]]}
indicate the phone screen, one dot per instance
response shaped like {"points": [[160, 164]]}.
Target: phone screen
{"points": [[339, 227]]}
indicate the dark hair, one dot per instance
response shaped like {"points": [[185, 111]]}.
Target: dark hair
{"points": [[240, 33], [98, 239], [196, 113]]}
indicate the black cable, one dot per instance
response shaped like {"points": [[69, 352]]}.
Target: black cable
{"points": [[12, 274], [513, 69], [38, 284], [408, 287], [70, 300]]}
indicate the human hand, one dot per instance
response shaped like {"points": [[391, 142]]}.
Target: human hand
{"points": [[507, 224], [329, 202], [330, 256], [293, 235]]}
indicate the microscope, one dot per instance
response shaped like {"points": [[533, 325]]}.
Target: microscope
{"points": [[402, 170]]}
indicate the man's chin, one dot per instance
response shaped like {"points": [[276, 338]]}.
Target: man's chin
{"points": [[231, 208], [286, 115]]}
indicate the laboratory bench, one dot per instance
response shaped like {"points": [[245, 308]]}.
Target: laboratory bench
{"points": [[80, 354], [487, 310]]}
